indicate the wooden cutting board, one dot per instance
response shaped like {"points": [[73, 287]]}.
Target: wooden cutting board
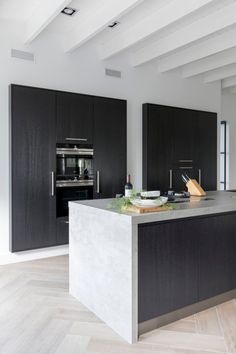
{"points": [[142, 210]]}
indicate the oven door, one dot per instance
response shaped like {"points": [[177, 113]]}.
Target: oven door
{"points": [[67, 194]]}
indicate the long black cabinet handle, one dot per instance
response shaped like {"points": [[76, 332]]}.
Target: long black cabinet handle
{"points": [[171, 178], [200, 176], [76, 139], [52, 193], [98, 182]]}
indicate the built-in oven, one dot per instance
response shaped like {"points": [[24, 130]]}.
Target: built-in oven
{"points": [[74, 179]]}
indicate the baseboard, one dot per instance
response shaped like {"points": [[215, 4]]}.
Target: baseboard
{"points": [[168, 318], [9, 257]]}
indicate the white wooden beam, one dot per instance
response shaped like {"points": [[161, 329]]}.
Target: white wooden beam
{"points": [[44, 13], [206, 26], [232, 90], [210, 63], [216, 44], [163, 17], [220, 74], [98, 20], [229, 82]]}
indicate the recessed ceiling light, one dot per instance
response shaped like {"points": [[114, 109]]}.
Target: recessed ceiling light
{"points": [[70, 11], [114, 24]]}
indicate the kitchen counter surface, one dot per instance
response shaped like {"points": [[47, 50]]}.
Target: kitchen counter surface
{"points": [[219, 202]]}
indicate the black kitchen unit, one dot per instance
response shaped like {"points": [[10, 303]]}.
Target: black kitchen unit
{"points": [[43, 123], [186, 261], [176, 141], [109, 147]]}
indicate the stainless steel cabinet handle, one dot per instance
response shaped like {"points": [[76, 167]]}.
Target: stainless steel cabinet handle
{"points": [[186, 161], [52, 194], [98, 182], [76, 139], [200, 176], [66, 222], [171, 178], [185, 167]]}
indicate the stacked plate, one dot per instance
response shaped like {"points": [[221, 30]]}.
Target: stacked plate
{"points": [[144, 203]]}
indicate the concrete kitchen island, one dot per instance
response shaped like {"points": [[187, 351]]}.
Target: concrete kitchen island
{"points": [[139, 272]]}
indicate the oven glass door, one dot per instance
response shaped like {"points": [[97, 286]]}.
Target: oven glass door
{"points": [[67, 194]]}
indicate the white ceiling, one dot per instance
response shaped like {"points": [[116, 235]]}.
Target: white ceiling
{"points": [[196, 36]]}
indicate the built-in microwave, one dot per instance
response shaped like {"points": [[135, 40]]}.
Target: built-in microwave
{"points": [[74, 163]]}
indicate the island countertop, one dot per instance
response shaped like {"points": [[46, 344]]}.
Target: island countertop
{"points": [[214, 203]]}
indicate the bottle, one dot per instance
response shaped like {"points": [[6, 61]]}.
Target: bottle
{"points": [[128, 187]]}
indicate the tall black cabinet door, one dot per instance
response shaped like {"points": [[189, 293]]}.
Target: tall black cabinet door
{"points": [[167, 268], [158, 147], [217, 260], [206, 151], [74, 118], [33, 162], [109, 147]]}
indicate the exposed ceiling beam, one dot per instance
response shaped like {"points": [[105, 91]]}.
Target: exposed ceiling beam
{"points": [[220, 74], [210, 63], [198, 51], [163, 17], [98, 20], [45, 12], [206, 26], [232, 90], [229, 82]]}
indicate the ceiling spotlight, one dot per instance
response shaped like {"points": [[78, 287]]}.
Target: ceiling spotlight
{"points": [[69, 11], [114, 24]]}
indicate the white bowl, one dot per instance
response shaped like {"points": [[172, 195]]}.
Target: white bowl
{"points": [[149, 202], [150, 194]]}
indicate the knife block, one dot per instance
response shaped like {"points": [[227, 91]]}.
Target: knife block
{"points": [[195, 189]]}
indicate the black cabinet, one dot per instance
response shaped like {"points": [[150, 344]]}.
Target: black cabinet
{"points": [[217, 249], [185, 261], [109, 147], [205, 156], [40, 119], [176, 141], [158, 153], [74, 118], [167, 268], [33, 163]]}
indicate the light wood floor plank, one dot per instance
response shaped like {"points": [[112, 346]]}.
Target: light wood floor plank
{"points": [[227, 318], [208, 323]]}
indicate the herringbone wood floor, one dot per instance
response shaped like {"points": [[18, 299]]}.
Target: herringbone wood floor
{"points": [[37, 315]]}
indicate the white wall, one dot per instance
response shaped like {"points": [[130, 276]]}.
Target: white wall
{"points": [[83, 72], [229, 114]]}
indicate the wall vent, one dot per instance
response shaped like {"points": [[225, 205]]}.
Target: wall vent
{"points": [[19, 54], [114, 73]]}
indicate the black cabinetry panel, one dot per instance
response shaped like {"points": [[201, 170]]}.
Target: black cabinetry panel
{"points": [[167, 268], [33, 157], [185, 261], [177, 140], [217, 250], [74, 118], [109, 146]]}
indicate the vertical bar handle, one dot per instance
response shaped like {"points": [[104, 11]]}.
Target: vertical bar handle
{"points": [[200, 176], [171, 178], [98, 182], [52, 192]]}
